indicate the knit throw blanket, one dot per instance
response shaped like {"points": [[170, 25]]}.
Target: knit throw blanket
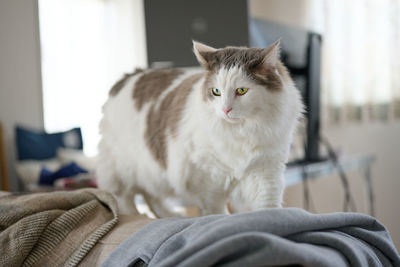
{"points": [[53, 229]]}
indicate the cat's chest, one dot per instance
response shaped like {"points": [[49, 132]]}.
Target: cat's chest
{"points": [[223, 156]]}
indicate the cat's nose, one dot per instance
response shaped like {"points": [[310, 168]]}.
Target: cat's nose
{"points": [[226, 110]]}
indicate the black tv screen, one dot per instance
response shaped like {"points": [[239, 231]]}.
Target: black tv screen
{"points": [[172, 25]]}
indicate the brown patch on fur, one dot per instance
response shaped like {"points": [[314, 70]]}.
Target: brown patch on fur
{"points": [[251, 60], [167, 118], [150, 85], [229, 57], [120, 84], [177, 100], [271, 77]]}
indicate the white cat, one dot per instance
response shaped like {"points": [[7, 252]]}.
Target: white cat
{"points": [[206, 136]]}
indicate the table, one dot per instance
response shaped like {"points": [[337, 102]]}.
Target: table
{"points": [[295, 174]]}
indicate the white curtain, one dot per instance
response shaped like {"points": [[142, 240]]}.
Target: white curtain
{"points": [[361, 59], [86, 46]]}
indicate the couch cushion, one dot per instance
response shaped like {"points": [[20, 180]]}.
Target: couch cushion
{"points": [[39, 145]]}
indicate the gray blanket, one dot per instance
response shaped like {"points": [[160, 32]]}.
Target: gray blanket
{"points": [[272, 237]]}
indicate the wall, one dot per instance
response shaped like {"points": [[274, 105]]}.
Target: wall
{"points": [[293, 13], [299, 13], [20, 78]]}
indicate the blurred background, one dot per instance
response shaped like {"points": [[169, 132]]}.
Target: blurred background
{"points": [[59, 58]]}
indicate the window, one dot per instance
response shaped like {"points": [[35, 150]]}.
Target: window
{"points": [[86, 46]]}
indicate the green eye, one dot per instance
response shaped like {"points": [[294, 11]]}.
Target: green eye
{"points": [[216, 92], [242, 90]]}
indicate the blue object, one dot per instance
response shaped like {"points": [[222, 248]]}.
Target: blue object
{"points": [[39, 145], [48, 177]]}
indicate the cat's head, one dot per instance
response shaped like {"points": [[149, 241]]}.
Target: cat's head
{"points": [[241, 83]]}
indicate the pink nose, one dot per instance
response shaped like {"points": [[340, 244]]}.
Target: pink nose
{"points": [[226, 110]]}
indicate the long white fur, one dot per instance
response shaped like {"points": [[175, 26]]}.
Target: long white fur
{"points": [[213, 159]]}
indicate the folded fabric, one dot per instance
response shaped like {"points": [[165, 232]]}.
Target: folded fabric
{"points": [[29, 170], [48, 177], [76, 182], [272, 237], [53, 229]]}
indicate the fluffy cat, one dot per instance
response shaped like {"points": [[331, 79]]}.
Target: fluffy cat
{"points": [[207, 136]]}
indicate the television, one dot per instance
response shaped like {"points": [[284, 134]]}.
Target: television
{"points": [[172, 25]]}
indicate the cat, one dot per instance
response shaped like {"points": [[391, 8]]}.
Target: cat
{"points": [[217, 134]]}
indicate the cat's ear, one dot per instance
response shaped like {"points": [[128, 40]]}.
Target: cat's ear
{"points": [[270, 59], [202, 52], [272, 54]]}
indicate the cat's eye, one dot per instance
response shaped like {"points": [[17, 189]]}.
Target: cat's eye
{"points": [[242, 90], [216, 92]]}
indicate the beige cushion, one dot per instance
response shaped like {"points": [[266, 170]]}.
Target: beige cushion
{"points": [[126, 226]]}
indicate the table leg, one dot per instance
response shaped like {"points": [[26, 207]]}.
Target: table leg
{"points": [[370, 191]]}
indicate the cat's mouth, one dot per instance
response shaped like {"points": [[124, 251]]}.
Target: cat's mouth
{"points": [[227, 117], [230, 119]]}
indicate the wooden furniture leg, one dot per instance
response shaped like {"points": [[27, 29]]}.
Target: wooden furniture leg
{"points": [[3, 161]]}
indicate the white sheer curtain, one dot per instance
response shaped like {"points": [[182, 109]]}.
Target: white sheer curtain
{"points": [[86, 46], [361, 59]]}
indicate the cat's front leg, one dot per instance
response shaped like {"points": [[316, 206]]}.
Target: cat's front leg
{"points": [[212, 204], [126, 204], [260, 191]]}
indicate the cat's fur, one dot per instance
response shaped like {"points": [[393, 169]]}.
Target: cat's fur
{"points": [[165, 134]]}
